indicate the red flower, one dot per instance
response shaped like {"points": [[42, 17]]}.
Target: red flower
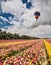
{"points": [[15, 64], [1, 63]]}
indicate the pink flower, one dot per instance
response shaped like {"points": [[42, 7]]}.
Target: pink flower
{"points": [[1, 63]]}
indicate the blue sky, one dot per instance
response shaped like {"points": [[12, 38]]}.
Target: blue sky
{"points": [[7, 15], [18, 17]]}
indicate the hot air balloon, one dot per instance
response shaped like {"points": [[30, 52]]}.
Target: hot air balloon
{"points": [[37, 14]]}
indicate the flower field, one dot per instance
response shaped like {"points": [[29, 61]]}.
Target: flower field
{"points": [[8, 48], [27, 52], [48, 48]]}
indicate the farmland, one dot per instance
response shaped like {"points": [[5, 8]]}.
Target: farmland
{"points": [[23, 52], [48, 49]]}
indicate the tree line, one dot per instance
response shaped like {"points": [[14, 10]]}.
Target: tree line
{"points": [[9, 36]]}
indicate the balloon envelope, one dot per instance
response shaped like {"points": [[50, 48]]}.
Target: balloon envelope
{"points": [[37, 14]]}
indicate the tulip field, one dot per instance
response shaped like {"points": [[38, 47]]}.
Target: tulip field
{"points": [[48, 48], [25, 52]]}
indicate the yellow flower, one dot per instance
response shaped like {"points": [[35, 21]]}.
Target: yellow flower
{"points": [[4, 63], [30, 63], [36, 63], [48, 47]]}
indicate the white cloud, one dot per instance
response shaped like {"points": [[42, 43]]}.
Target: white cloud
{"points": [[3, 18], [16, 7]]}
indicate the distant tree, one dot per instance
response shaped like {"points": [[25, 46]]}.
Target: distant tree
{"points": [[25, 37], [4, 35], [16, 36], [0, 30]]}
